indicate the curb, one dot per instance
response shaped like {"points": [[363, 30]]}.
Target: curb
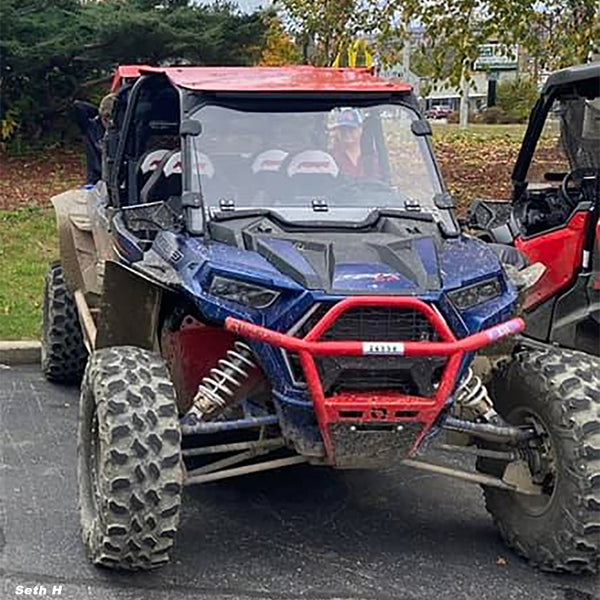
{"points": [[20, 353]]}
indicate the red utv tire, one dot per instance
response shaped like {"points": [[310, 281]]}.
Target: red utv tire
{"points": [[558, 392]]}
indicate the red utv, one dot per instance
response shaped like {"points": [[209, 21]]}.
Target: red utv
{"points": [[552, 380]]}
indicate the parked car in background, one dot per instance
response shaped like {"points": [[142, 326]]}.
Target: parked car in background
{"points": [[439, 112]]}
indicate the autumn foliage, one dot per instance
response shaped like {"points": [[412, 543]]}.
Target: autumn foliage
{"points": [[279, 48]]}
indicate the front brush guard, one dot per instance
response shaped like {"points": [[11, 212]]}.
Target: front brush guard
{"points": [[388, 409]]}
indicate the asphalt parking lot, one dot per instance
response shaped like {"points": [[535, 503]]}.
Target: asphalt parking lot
{"points": [[302, 533]]}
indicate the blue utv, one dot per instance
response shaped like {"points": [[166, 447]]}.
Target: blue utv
{"points": [[268, 272]]}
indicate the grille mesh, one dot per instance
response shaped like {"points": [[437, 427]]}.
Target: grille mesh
{"points": [[373, 324]]}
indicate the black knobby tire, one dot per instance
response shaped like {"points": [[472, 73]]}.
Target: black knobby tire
{"points": [[560, 390], [130, 470], [63, 352]]}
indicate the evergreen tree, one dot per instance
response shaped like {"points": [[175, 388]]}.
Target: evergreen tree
{"points": [[52, 51]]}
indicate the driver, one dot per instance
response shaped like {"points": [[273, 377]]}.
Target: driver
{"points": [[347, 151]]}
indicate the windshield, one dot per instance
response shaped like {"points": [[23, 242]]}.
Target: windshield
{"points": [[337, 164], [580, 131], [569, 140]]}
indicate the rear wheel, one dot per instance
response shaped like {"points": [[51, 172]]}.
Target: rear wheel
{"points": [[63, 352], [557, 392], [130, 471]]}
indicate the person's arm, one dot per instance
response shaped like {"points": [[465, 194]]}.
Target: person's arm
{"points": [[84, 112]]}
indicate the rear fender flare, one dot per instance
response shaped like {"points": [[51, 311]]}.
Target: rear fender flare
{"points": [[76, 242]]}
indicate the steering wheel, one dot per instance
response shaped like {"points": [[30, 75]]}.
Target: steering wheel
{"points": [[571, 185]]}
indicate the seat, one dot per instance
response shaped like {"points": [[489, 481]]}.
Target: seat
{"points": [[172, 176], [269, 161], [166, 181], [155, 187], [312, 173], [267, 174], [148, 164]]}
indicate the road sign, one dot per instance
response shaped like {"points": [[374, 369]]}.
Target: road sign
{"points": [[497, 57]]}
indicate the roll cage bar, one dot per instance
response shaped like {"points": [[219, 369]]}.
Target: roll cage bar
{"points": [[583, 80]]}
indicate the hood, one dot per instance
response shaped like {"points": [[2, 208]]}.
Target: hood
{"points": [[397, 256]]}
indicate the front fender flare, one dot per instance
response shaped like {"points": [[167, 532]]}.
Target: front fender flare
{"points": [[129, 308]]}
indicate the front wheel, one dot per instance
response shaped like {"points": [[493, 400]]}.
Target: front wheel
{"points": [[557, 392], [130, 470]]}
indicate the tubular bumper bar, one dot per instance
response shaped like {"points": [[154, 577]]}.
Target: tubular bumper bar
{"points": [[380, 406], [469, 344]]}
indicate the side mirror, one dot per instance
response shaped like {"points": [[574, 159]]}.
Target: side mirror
{"points": [[190, 127], [526, 278], [421, 127]]}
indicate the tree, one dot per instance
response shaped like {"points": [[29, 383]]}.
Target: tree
{"points": [[39, 43], [279, 48], [516, 98], [556, 33], [52, 50], [324, 29]]}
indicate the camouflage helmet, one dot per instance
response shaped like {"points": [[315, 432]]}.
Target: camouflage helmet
{"points": [[105, 110]]}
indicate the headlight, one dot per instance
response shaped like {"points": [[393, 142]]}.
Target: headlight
{"points": [[242, 292], [476, 294]]}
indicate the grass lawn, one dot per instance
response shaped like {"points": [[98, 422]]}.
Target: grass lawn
{"points": [[451, 132], [477, 162], [28, 242]]}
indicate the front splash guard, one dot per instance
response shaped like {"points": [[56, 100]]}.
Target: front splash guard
{"points": [[388, 415]]}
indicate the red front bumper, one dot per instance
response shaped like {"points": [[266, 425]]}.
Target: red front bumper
{"points": [[379, 407]]}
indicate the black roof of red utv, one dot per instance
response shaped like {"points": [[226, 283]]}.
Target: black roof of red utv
{"points": [[585, 79]]}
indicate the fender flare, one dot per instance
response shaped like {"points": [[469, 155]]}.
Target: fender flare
{"points": [[129, 308], [76, 242]]}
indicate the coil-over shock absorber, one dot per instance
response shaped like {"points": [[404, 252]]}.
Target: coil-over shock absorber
{"points": [[472, 395], [217, 390]]}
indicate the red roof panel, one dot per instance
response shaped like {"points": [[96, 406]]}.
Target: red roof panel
{"points": [[271, 79], [126, 72]]}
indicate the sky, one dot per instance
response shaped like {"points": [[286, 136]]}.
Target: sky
{"points": [[245, 5], [252, 5]]}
